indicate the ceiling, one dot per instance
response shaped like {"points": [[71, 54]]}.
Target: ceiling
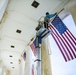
{"points": [[22, 17]]}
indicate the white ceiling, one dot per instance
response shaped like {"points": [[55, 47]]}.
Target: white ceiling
{"points": [[21, 15]]}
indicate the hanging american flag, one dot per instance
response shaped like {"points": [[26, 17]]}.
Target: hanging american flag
{"points": [[63, 38], [32, 69], [24, 56], [33, 47]]}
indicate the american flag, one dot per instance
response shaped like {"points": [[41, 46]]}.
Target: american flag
{"points": [[63, 38], [32, 69], [24, 56], [33, 47]]}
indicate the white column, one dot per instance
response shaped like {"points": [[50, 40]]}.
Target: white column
{"points": [[46, 64], [27, 69], [38, 57], [71, 6]]}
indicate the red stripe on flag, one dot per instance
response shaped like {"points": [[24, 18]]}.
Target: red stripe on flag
{"points": [[68, 47], [32, 69], [62, 43], [33, 49], [71, 36], [65, 46], [71, 42], [56, 40]]}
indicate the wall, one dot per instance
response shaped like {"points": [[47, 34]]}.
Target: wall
{"points": [[71, 6]]}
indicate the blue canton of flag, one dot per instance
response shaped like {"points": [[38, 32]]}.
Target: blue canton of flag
{"points": [[63, 38], [24, 55], [59, 25]]}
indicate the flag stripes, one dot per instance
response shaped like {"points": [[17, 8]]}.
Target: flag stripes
{"points": [[33, 47], [59, 43], [32, 69], [65, 43], [72, 42], [72, 38]]}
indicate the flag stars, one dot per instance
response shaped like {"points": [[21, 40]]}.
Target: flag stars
{"points": [[57, 24]]}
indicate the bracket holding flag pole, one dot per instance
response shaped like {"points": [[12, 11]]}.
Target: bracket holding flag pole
{"points": [[41, 33]]}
